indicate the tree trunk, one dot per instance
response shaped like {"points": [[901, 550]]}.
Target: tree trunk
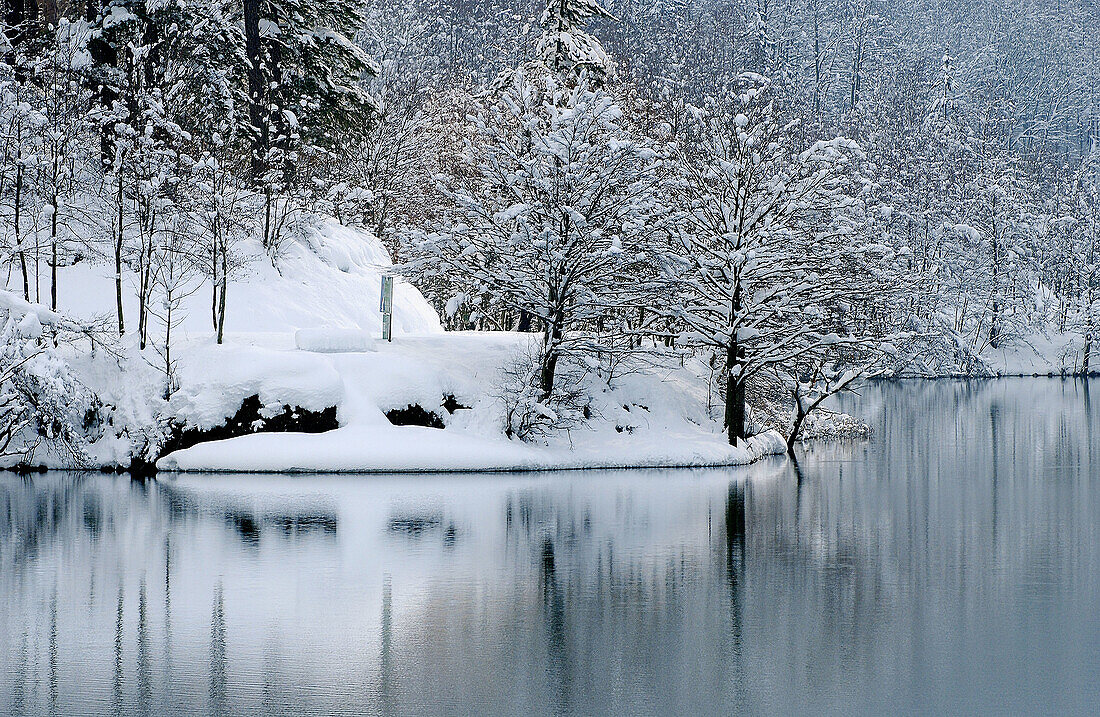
{"points": [[550, 357], [18, 221], [118, 262], [221, 299], [168, 348], [796, 428], [995, 319], [268, 230], [857, 68], [1087, 357], [546, 374], [735, 378], [1088, 352], [735, 394], [259, 136], [53, 257]]}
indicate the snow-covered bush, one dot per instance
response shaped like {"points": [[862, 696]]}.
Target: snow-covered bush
{"points": [[41, 402], [530, 415]]}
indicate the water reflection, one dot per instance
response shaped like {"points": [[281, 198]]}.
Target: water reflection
{"points": [[217, 652], [951, 564]]}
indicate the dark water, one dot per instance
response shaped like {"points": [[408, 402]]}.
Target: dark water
{"points": [[951, 564]]}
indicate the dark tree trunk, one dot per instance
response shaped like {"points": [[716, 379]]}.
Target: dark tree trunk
{"points": [[735, 394], [18, 232], [799, 419], [53, 252], [550, 357], [524, 324], [221, 298], [1088, 352], [118, 260], [104, 54], [546, 374], [260, 138], [735, 378]]}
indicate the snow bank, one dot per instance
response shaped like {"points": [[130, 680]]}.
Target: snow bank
{"points": [[330, 276], [647, 420], [214, 380], [1039, 354]]}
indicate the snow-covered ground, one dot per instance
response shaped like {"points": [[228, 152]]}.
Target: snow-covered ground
{"points": [[1039, 354], [645, 420], [307, 334]]}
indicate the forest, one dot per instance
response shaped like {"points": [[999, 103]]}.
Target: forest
{"points": [[792, 195]]}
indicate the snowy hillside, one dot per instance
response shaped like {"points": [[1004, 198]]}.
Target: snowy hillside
{"points": [[330, 276]]}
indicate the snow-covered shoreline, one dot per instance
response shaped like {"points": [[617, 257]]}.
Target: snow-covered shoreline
{"points": [[304, 338], [658, 418], [238, 456]]}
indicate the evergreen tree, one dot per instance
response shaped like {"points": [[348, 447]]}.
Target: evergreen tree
{"points": [[564, 46]]}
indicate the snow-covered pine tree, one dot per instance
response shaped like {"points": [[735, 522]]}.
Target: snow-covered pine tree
{"points": [[306, 96], [565, 47]]}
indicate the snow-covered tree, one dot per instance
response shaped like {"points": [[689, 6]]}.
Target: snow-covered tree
{"points": [[40, 399], [70, 154], [381, 178], [551, 215], [758, 264], [305, 95], [1081, 255], [565, 47], [22, 139]]}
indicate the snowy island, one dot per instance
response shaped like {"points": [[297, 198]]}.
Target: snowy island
{"points": [[303, 341]]}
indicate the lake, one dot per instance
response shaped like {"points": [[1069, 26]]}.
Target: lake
{"points": [[951, 563]]}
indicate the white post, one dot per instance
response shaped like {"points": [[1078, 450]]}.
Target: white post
{"points": [[387, 308]]}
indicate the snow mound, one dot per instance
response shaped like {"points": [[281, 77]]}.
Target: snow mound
{"points": [[330, 277], [215, 380], [331, 341]]}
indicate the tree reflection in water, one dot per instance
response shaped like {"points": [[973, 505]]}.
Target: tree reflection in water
{"points": [[952, 560]]}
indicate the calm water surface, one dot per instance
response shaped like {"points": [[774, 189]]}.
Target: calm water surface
{"points": [[951, 564]]}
